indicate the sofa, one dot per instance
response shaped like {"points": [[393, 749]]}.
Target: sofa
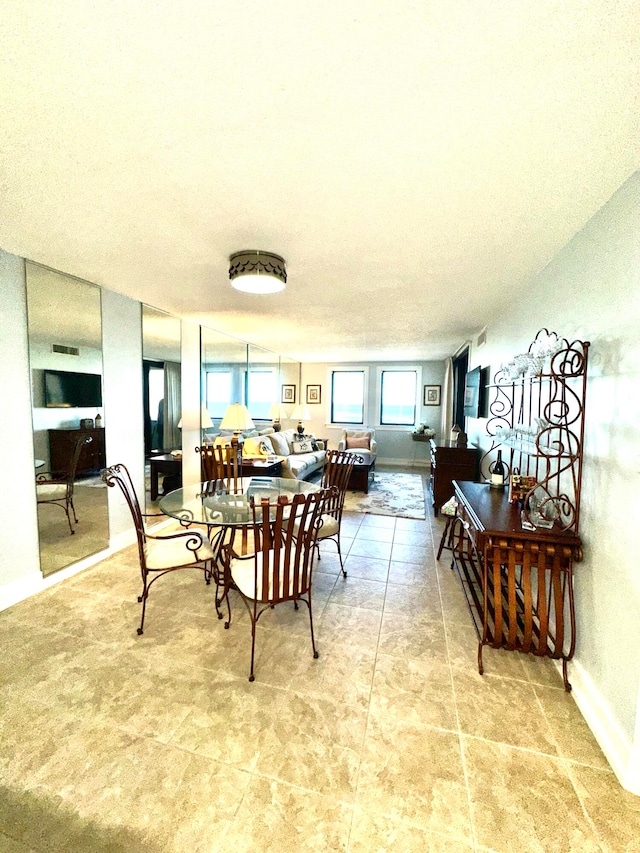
{"points": [[299, 457]]}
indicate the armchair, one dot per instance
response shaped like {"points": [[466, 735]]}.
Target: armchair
{"points": [[360, 441]]}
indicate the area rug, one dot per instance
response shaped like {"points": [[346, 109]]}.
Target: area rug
{"points": [[390, 494]]}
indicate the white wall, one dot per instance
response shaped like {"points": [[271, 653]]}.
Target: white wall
{"points": [[394, 445], [591, 291]]}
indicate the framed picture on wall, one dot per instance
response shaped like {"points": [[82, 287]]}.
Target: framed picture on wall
{"points": [[288, 394], [431, 395], [314, 393]]}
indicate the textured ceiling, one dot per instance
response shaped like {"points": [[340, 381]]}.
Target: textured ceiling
{"points": [[414, 162]]}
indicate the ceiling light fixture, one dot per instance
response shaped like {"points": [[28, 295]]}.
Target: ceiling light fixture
{"points": [[257, 272]]}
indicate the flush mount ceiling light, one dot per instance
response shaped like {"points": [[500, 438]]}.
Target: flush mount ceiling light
{"points": [[257, 272]]}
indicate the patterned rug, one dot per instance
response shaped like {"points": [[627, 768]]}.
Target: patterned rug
{"points": [[390, 494]]}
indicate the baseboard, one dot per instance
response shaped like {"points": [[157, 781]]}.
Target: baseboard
{"points": [[22, 588], [620, 753], [403, 463]]}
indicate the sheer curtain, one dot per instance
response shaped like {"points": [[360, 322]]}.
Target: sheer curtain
{"points": [[447, 401], [172, 406]]}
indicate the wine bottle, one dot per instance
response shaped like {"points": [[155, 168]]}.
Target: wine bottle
{"points": [[498, 473]]}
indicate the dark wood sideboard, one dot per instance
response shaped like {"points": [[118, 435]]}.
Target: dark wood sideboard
{"points": [[448, 463], [61, 443]]}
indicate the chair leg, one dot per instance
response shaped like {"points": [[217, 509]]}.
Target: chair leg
{"points": [[253, 648], [446, 536], [313, 640], [344, 574], [142, 599]]}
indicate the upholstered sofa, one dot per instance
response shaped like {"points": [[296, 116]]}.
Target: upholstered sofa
{"points": [[297, 463]]}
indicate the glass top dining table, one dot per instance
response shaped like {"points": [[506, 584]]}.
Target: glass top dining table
{"points": [[202, 503]]}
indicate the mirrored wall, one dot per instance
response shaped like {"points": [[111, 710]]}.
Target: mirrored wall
{"points": [[162, 404], [65, 352]]}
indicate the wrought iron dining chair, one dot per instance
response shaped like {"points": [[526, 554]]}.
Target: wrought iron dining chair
{"points": [[281, 567], [222, 462], [159, 555], [335, 479], [58, 491]]}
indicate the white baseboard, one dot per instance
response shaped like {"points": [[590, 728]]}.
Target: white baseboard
{"points": [[404, 463], [22, 588], [623, 757]]}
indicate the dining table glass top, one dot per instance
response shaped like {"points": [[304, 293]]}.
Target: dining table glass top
{"points": [[202, 503]]}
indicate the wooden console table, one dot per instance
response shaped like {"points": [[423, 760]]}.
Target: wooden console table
{"points": [[518, 583], [448, 463], [92, 456]]}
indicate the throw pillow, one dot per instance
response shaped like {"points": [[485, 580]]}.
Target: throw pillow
{"points": [[279, 442], [302, 446], [356, 442]]}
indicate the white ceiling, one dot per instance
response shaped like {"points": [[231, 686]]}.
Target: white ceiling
{"points": [[415, 162]]}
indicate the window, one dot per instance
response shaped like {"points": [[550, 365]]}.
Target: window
{"points": [[218, 392], [398, 390], [262, 393], [347, 396]]}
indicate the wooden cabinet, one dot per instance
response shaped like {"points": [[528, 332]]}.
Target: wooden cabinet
{"points": [[450, 462], [61, 443]]}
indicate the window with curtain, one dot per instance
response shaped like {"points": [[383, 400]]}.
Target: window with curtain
{"points": [[347, 396], [398, 391]]}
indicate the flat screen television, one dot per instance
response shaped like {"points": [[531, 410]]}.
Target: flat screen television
{"points": [[475, 392], [64, 389]]}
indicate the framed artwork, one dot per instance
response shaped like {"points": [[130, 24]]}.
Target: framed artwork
{"points": [[314, 393], [431, 395], [288, 394]]}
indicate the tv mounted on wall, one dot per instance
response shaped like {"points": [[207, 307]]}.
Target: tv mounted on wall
{"points": [[66, 390], [475, 392]]}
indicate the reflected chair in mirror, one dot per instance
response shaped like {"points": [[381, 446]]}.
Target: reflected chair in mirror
{"points": [[222, 462], [159, 555], [337, 470], [58, 491], [281, 566]]}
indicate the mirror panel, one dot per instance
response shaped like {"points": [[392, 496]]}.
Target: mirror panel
{"points": [[162, 404], [224, 369], [290, 378], [65, 352], [263, 385]]}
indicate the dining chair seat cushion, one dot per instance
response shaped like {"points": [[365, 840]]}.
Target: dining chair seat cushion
{"points": [[166, 553], [51, 491], [330, 527], [243, 573]]}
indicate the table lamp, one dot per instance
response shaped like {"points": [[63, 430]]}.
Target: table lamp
{"points": [[238, 419], [276, 412], [302, 413]]}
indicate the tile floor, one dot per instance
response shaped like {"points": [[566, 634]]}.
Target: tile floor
{"points": [[389, 741]]}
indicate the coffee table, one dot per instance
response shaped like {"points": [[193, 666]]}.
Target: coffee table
{"points": [[261, 468], [362, 474]]}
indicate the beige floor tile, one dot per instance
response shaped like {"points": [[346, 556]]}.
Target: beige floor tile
{"points": [[373, 833], [375, 534], [378, 521], [369, 548], [278, 818], [416, 538], [353, 625], [409, 636], [315, 743], [413, 773], [343, 671], [412, 692], [359, 592], [569, 728], [462, 648], [501, 710], [614, 811], [420, 554], [524, 801], [367, 568], [423, 600], [411, 574]]}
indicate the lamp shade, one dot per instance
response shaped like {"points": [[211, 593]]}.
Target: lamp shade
{"points": [[237, 418], [254, 271], [205, 418], [301, 412], [278, 412]]}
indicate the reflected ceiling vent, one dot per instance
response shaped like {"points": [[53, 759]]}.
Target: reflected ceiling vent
{"points": [[482, 338], [65, 350]]}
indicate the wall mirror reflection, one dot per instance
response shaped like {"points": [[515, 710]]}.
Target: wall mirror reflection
{"points": [[65, 353], [162, 402], [263, 385], [224, 378]]}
